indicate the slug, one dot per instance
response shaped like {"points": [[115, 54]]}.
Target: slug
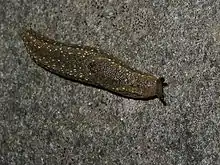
{"points": [[92, 67]]}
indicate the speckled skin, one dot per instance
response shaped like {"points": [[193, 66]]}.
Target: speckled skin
{"points": [[92, 66]]}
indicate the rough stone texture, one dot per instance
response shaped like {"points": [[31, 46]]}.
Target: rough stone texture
{"points": [[48, 120]]}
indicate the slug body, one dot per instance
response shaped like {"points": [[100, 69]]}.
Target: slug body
{"points": [[93, 67]]}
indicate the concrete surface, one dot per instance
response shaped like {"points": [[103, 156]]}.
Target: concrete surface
{"points": [[45, 119]]}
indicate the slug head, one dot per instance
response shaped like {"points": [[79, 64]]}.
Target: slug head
{"points": [[159, 89]]}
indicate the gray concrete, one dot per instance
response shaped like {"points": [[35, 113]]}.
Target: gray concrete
{"points": [[45, 119]]}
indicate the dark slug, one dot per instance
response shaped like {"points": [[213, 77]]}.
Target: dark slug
{"points": [[93, 67]]}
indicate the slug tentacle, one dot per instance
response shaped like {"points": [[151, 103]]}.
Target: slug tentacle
{"points": [[92, 67]]}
